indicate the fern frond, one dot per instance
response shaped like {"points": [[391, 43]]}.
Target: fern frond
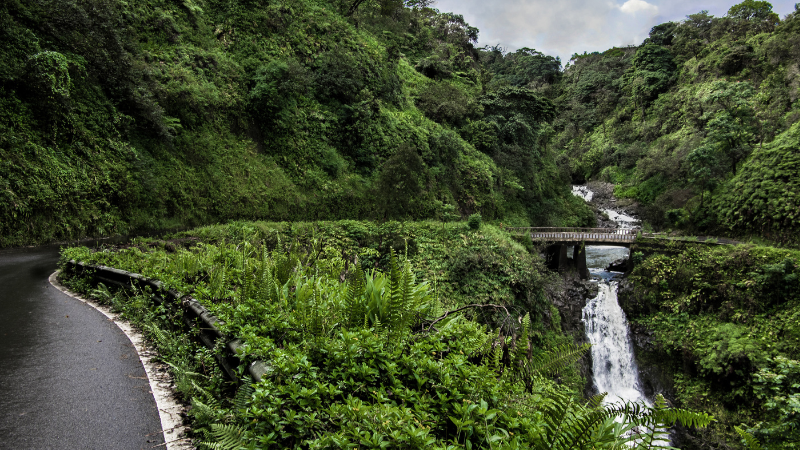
{"points": [[395, 291], [228, 437], [243, 394], [203, 413], [663, 415], [354, 298], [749, 440], [552, 363]]}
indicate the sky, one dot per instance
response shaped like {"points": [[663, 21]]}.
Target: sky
{"points": [[564, 27]]}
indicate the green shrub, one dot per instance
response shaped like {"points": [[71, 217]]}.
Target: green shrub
{"points": [[474, 221], [677, 217]]}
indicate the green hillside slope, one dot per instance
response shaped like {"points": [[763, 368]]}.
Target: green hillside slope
{"points": [[122, 116], [673, 121]]}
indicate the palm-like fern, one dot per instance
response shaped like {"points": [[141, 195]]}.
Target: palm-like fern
{"points": [[226, 436], [243, 394], [354, 298], [749, 440]]}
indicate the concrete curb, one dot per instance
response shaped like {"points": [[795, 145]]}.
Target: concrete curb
{"points": [[195, 315], [169, 410]]}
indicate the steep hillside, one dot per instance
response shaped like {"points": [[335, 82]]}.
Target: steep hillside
{"points": [[675, 120], [719, 325], [764, 196], [123, 116]]}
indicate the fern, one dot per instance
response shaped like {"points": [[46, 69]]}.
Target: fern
{"points": [[749, 440], [495, 363], [555, 361], [244, 394], [202, 412], [354, 298], [396, 299], [522, 349], [227, 437]]}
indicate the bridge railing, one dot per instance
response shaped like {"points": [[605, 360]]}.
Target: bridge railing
{"points": [[578, 234]]}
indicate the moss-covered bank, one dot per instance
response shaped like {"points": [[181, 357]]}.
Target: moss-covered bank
{"points": [[722, 326]]}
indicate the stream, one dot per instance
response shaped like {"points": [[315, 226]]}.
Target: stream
{"points": [[613, 364]]}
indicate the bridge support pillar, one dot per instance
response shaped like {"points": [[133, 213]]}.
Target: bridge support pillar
{"points": [[557, 257], [579, 257], [558, 260]]}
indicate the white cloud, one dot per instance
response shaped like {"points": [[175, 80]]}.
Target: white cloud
{"points": [[636, 6], [564, 27]]}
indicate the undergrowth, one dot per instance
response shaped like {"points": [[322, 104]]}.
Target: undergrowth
{"points": [[361, 352], [725, 328]]}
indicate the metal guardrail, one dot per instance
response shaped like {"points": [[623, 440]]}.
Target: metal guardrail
{"points": [[195, 315]]}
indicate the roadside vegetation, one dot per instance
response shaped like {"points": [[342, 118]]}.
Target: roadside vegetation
{"points": [[363, 352]]}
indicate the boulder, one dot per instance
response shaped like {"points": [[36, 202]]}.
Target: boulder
{"points": [[620, 265]]}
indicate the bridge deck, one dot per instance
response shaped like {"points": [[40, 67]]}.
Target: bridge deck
{"points": [[597, 236]]}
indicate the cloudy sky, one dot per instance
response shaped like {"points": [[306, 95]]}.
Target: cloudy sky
{"points": [[564, 27]]}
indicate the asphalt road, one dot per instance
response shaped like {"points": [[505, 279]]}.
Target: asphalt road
{"points": [[69, 378]]}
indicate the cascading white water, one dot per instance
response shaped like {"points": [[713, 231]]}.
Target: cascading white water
{"points": [[613, 365], [582, 192], [623, 221]]}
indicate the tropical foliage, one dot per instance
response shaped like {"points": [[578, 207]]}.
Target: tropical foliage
{"points": [[725, 330], [672, 122], [370, 358], [117, 117]]}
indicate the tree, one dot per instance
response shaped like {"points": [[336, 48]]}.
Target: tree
{"points": [[523, 67], [732, 127], [662, 34], [401, 183], [753, 10], [704, 170], [653, 72], [752, 17], [692, 34], [508, 101]]}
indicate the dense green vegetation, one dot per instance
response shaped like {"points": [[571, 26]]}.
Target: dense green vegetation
{"points": [[726, 331], [125, 116], [120, 117], [687, 124], [363, 352]]}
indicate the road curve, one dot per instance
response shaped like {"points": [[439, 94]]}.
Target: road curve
{"points": [[69, 378]]}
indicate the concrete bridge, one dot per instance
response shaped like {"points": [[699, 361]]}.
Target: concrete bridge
{"points": [[557, 241], [576, 236]]}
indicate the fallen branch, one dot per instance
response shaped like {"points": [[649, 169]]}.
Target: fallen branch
{"points": [[474, 305]]}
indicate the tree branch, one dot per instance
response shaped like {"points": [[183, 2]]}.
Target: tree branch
{"points": [[354, 7], [474, 305]]}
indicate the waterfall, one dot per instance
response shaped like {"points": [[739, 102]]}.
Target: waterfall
{"points": [[582, 192], [606, 327], [613, 365]]}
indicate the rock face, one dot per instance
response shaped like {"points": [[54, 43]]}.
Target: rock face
{"points": [[569, 297], [653, 377], [603, 198], [620, 265]]}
